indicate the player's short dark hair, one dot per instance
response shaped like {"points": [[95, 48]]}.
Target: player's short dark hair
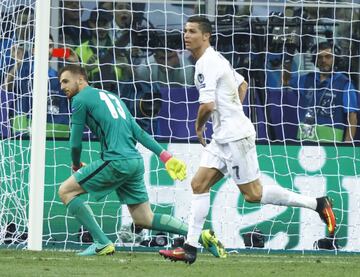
{"points": [[325, 45], [204, 23], [317, 48], [74, 69]]}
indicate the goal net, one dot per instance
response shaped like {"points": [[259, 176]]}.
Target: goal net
{"points": [[136, 49]]}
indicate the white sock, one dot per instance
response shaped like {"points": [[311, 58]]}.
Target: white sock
{"points": [[200, 205], [277, 195]]}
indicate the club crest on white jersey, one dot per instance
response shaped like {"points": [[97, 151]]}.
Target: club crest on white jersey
{"points": [[201, 79]]}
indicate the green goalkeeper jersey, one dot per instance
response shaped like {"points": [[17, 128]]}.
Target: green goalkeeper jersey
{"points": [[109, 119]]}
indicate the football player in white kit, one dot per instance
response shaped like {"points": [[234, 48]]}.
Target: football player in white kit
{"points": [[232, 150]]}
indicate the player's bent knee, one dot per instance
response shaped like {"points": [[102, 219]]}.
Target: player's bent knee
{"points": [[252, 192], [65, 193], [252, 198], [198, 187], [68, 190], [62, 192]]}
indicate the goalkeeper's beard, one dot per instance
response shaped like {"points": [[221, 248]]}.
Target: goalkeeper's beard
{"points": [[72, 92]]}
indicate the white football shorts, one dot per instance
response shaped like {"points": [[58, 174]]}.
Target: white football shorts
{"points": [[237, 159]]}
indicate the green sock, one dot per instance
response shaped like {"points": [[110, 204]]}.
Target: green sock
{"points": [[168, 223], [85, 216]]}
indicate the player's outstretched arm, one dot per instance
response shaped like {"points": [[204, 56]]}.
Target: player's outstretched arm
{"points": [[175, 167]]}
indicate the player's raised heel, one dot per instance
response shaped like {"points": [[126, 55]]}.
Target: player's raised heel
{"points": [[212, 244], [324, 208], [97, 249], [187, 254]]}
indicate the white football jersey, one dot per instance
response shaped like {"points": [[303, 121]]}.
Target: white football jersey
{"points": [[218, 82]]}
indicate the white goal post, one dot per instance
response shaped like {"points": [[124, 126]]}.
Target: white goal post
{"points": [[38, 128]]}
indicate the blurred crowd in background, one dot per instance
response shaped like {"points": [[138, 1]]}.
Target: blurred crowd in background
{"points": [[302, 66]]}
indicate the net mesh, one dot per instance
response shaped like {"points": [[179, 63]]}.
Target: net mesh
{"points": [[136, 50]]}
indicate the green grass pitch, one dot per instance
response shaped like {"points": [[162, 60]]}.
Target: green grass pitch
{"points": [[59, 263]]}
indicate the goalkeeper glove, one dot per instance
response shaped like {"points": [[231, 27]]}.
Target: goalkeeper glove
{"points": [[176, 168], [76, 168]]}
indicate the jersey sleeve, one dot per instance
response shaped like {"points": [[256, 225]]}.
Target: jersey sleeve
{"points": [[78, 111], [78, 119], [207, 76], [76, 143], [145, 139], [239, 78]]}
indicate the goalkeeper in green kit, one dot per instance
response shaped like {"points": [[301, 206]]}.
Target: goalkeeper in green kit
{"points": [[121, 167]]}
